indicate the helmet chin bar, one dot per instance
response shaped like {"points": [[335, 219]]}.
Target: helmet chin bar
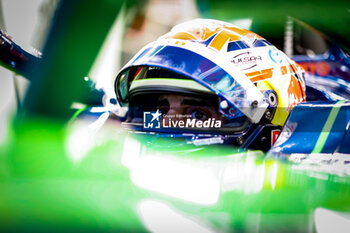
{"points": [[253, 137]]}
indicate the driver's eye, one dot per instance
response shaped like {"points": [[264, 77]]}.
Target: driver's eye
{"points": [[163, 110], [163, 106], [199, 115]]}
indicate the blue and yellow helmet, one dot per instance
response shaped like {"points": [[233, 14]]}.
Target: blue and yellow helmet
{"points": [[250, 78]]}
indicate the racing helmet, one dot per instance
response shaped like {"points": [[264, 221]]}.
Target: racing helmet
{"points": [[252, 85]]}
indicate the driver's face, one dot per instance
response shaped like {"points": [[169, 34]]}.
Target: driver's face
{"points": [[177, 107]]}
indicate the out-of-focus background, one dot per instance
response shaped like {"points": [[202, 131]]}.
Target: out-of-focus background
{"points": [[27, 23]]}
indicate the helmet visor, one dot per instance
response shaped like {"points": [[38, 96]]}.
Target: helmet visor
{"points": [[171, 112], [227, 84]]}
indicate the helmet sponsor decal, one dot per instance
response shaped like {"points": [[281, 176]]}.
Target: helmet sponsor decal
{"points": [[274, 135], [246, 60], [275, 56]]}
